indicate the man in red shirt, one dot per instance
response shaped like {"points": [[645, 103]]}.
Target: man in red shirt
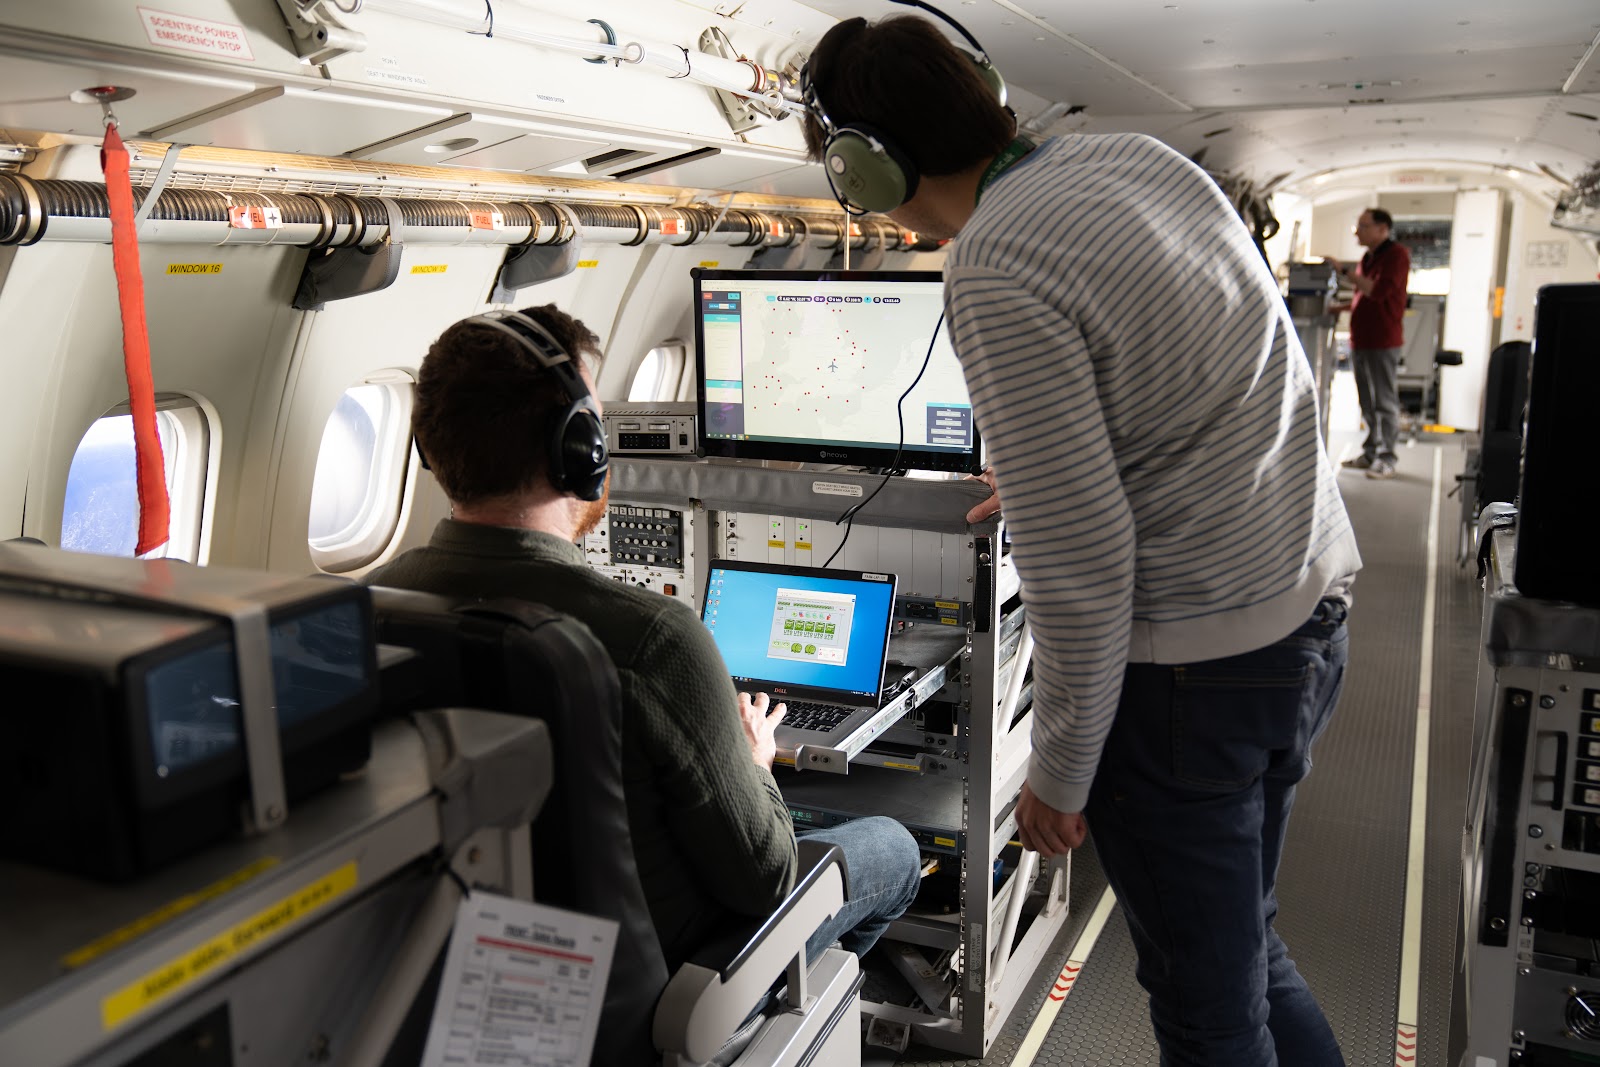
{"points": [[1377, 334]]}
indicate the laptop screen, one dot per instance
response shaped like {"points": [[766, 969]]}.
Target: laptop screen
{"points": [[801, 628]]}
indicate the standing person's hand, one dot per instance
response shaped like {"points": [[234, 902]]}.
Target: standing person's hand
{"points": [[1044, 829], [760, 725], [990, 505]]}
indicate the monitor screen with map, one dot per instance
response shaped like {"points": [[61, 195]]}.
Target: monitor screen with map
{"points": [[808, 366]]}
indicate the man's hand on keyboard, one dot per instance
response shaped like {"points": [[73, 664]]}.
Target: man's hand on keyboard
{"points": [[760, 725]]}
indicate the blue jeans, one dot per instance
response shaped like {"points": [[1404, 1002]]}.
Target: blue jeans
{"points": [[885, 868], [1188, 812]]}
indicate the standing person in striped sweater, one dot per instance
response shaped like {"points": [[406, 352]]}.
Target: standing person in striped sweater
{"points": [[1185, 554]]}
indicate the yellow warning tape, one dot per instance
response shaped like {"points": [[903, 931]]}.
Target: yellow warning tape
{"points": [[264, 925], [164, 914]]}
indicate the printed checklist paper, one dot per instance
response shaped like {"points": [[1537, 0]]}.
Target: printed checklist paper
{"points": [[523, 985]]}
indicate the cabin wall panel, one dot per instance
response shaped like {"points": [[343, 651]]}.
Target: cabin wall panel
{"points": [[1474, 244], [1540, 255], [655, 305], [341, 346], [211, 335]]}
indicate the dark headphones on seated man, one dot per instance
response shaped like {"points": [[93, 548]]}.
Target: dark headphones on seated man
{"points": [[866, 169], [575, 451]]}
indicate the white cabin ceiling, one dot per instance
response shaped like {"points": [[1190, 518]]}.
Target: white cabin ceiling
{"points": [[1307, 86]]}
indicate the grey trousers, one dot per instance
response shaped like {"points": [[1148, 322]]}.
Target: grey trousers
{"points": [[1376, 369]]}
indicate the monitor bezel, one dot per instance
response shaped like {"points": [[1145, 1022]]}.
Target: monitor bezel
{"points": [[296, 741], [912, 457], [781, 691]]}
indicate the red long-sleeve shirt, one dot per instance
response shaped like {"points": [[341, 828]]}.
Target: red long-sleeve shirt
{"points": [[1378, 320]]}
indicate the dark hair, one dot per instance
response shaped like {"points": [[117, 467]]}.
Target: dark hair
{"points": [[1381, 217], [903, 77], [483, 406]]}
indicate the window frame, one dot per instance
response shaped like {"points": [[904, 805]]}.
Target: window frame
{"points": [[668, 378], [191, 486], [378, 525]]}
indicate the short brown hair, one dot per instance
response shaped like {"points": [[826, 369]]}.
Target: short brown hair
{"points": [[483, 407], [904, 77]]}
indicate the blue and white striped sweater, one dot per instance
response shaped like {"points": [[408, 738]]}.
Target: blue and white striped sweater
{"points": [[1152, 422]]}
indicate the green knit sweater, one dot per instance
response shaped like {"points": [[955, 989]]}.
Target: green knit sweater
{"points": [[711, 833]]}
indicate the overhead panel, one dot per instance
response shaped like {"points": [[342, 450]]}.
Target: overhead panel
{"points": [[528, 152], [1234, 52], [179, 32], [807, 180], [468, 134], [38, 96], [726, 169], [305, 121]]}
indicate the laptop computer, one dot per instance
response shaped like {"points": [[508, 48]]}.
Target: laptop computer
{"points": [[815, 639]]}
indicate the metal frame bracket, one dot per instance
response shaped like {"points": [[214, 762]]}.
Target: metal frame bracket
{"points": [[319, 34]]}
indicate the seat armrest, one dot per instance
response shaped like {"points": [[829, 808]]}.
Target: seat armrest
{"points": [[812, 854], [1447, 357], [710, 995], [727, 952]]}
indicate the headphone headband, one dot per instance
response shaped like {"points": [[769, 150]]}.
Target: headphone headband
{"points": [[983, 55], [534, 338], [866, 170], [575, 451]]}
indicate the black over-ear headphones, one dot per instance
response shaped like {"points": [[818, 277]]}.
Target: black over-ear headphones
{"points": [[575, 451], [867, 170]]}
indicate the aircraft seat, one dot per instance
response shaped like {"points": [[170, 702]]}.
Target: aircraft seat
{"points": [[521, 657]]}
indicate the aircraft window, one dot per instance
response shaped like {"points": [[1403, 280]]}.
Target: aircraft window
{"points": [[101, 513], [657, 375], [359, 486]]}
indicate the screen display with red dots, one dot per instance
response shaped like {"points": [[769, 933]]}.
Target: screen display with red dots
{"points": [[812, 365]]}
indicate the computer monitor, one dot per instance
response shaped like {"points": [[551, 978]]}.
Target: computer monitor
{"points": [[808, 366]]}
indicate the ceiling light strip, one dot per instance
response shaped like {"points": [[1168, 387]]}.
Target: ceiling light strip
{"points": [[1586, 69]]}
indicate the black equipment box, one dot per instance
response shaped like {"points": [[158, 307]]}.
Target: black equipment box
{"points": [[123, 717], [929, 805], [1555, 532]]}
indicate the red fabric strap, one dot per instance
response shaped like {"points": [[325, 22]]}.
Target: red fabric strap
{"points": [[154, 508]]}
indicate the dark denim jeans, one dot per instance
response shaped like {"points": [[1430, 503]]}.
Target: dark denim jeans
{"points": [[885, 868], [1188, 812]]}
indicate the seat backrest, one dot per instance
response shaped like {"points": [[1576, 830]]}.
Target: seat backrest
{"points": [[1505, 388], [1505, 401], [519, 657]]}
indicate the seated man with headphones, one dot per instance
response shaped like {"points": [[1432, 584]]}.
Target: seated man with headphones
{"points": [[506, 419]]}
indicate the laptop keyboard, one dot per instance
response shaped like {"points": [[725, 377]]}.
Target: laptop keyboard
{"points": [[821, 718]]}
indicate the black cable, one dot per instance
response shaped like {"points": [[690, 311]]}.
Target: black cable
{"points": [[849, 517], [488, 6], [461, 883]]}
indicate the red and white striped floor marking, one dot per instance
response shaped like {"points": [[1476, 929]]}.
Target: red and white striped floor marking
{"points": [[1405, 1045], [1077, 956]]}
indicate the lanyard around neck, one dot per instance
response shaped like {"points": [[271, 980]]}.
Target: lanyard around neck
{"points": [[1014, 151]]}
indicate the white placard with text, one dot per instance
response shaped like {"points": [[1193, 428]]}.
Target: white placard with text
{"points": [[523, 983]]}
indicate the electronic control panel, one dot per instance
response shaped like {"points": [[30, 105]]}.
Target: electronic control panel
{"points": [[655, 428], [645, 545]]}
